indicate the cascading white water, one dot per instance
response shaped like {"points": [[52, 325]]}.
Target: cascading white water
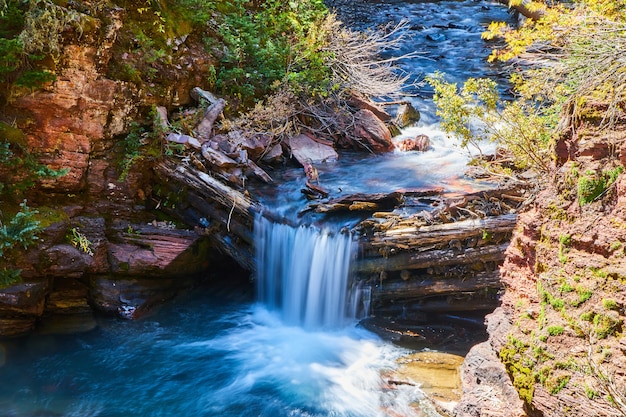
{"points": [[303, 272]]}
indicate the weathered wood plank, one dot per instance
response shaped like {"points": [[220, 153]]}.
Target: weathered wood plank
{"points": [[210, 188], [419, 288], [426, 235], [442, 257]]}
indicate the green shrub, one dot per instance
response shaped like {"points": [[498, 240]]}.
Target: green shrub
{"points": [[475, 112], [9, 277], [606, 325], [593, 185], [21, 230], [80, 241]]}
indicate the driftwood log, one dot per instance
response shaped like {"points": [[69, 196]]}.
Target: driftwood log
{"points": [[421, 236], [226, 214], [418, 260], [369, 202], [205, 127]]}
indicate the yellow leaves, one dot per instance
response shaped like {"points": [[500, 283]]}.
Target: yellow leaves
{"points": [[495, 30]]}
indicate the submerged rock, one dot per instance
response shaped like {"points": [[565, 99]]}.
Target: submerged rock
{"points": [[420, 143]]}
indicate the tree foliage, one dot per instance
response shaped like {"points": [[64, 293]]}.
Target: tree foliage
{"points": [[571, 56]]}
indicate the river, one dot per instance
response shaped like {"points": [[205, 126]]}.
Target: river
{"points": [[221, 353]]}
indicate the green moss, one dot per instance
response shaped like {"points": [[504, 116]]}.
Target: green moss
{"points": [[555, 385], [610, 304], [557, 304], [606, 325], [588, 316], [590, 392], [555, 330], [512, 355], [584, 294], [590, 187], [47, 216], [12, 135]]}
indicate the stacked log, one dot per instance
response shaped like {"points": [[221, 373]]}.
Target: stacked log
{"points": [[435, 263]]}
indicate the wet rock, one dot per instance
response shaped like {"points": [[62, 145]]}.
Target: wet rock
{"points": [[371, 133], [131, 298], [23, 299], [65, 260], [487, 388], [147, 255], [306, 150], [406, 115], [67, 309], [438, 374], [21, 306], [436, 37], [274, 155], [420, 143], [360, 102]]}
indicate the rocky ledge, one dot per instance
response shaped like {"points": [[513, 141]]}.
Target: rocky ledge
{"points": [[556, 344]]}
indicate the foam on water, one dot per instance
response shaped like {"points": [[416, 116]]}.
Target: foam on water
{"points": [[205, 357]]}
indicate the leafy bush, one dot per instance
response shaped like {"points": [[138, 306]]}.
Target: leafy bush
{"points": [[21, 230], [266, 43], [571, 56], [30, 31], [577, 51], [9, 277], [475, 112]]}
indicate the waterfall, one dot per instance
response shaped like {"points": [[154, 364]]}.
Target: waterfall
{"points": [[303, 272]]}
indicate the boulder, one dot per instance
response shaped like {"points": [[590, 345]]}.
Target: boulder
{"points": [[65, 260], [406, 115], [223, 144], [306, 150], [487, 388], [131, 298], [274, 155], [419, 143], [253, 145], [359, 102], [371, 133], [21, 306]]}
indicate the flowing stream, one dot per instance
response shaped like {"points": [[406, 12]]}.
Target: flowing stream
{"points": [[297, 351]]}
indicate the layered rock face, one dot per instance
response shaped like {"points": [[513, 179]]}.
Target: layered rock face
{"points": [[556, 345], [101, 250]]}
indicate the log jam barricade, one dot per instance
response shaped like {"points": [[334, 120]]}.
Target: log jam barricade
{"points": [[442, 260]]}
